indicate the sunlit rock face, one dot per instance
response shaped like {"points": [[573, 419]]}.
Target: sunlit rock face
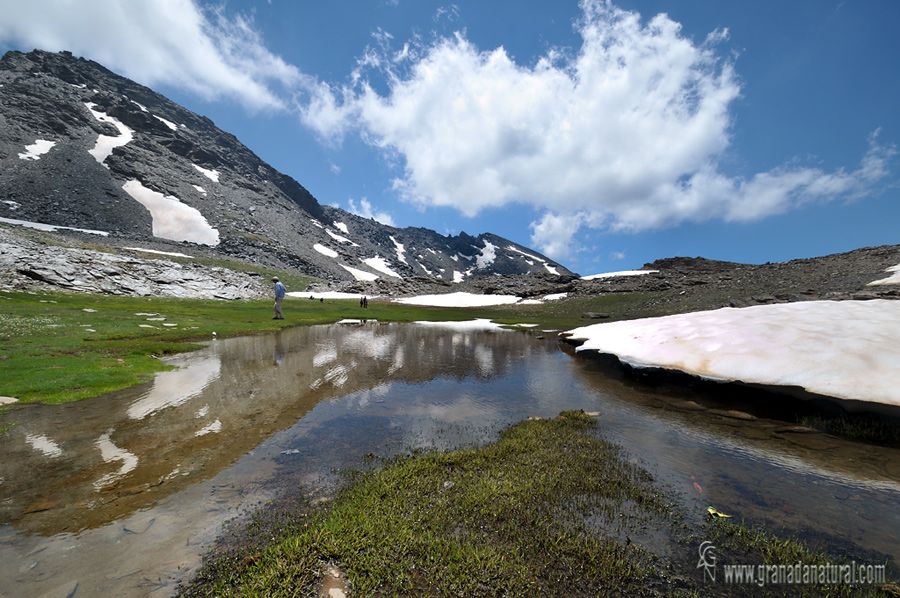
{"points": [[83, 148]]}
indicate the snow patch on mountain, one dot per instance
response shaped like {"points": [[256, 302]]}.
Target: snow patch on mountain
{"points": [[172, 219], [379, 263], [36, 149], [107, 143], [360, 275], [212, 175], [325, 250]]}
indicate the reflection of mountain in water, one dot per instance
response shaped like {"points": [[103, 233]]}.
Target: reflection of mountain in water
{"points": [[85, 464]]}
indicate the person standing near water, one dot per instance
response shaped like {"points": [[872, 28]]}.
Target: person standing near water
{"points": [[279, 295]]}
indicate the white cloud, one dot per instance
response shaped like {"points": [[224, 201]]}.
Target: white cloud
{"points": [[626, 134], [366, 210], [173, 42]]}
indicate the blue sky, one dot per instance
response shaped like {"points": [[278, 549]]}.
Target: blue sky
{"points": [[605, 135]]}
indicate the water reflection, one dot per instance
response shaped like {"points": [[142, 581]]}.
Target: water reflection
{"points": [[140, 481], [82, 465]]}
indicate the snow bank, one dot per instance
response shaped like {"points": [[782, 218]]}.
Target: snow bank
{"points": [[844, 349], [359, 274], [892, 279], [51, 227], [615, 274], [327, 295], [467, 326], [212, 175], [171, 218], [458, 300], [340, 239], [106, 143], [325, 250], [172, 253], [487, 255], [378, 263], [36, 149]]}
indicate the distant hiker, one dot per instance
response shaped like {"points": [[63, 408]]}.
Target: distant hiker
{"points": [[279, 295], [366, 302], [361, 301]]}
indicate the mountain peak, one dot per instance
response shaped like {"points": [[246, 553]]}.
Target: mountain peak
{"points": [[82, 147]]}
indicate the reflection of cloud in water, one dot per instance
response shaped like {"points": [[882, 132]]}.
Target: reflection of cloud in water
{"points": [[338, 375], [485, 358], [173, 388], [377, 394], [46, 445], [369, 344], [399, 355], [325, 353], [216, 426], [110, 453]]}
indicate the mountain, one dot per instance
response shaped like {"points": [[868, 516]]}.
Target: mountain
{"points": [[84, 148]]}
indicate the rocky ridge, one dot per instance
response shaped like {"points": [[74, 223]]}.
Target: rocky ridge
{"points": [[83, 147]]}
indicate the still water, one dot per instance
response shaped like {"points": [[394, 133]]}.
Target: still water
{"points": [[121, 494]]}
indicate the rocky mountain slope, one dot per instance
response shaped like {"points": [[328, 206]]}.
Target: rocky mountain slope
{"points": [[84, 148]]}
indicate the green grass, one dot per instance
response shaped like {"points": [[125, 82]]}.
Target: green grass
{"points": [[740, 543], [515, 518], [58, 347]]}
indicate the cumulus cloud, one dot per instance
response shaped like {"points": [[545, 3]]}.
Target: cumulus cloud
{"points": [[173, 42], [367, 210], [624, 134]]}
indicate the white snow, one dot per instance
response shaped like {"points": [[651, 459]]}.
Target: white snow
{"points": [[467, 326], [378, 263], [172, 253], [325, 250], [212, 175], [327, 295], [487, 255], [528, 255], [843, 349], [341, 227], [340, 239], [171, 218], [359, 274], [199, 189], [458, 300], [105, 143], [615, 274], [401, 251], [51, 227], [555, 296], [168, 123], [551, 269], [36, 149], [892, 279]]}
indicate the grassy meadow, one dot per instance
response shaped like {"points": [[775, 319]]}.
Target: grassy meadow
{"points": [[58, 347]]}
